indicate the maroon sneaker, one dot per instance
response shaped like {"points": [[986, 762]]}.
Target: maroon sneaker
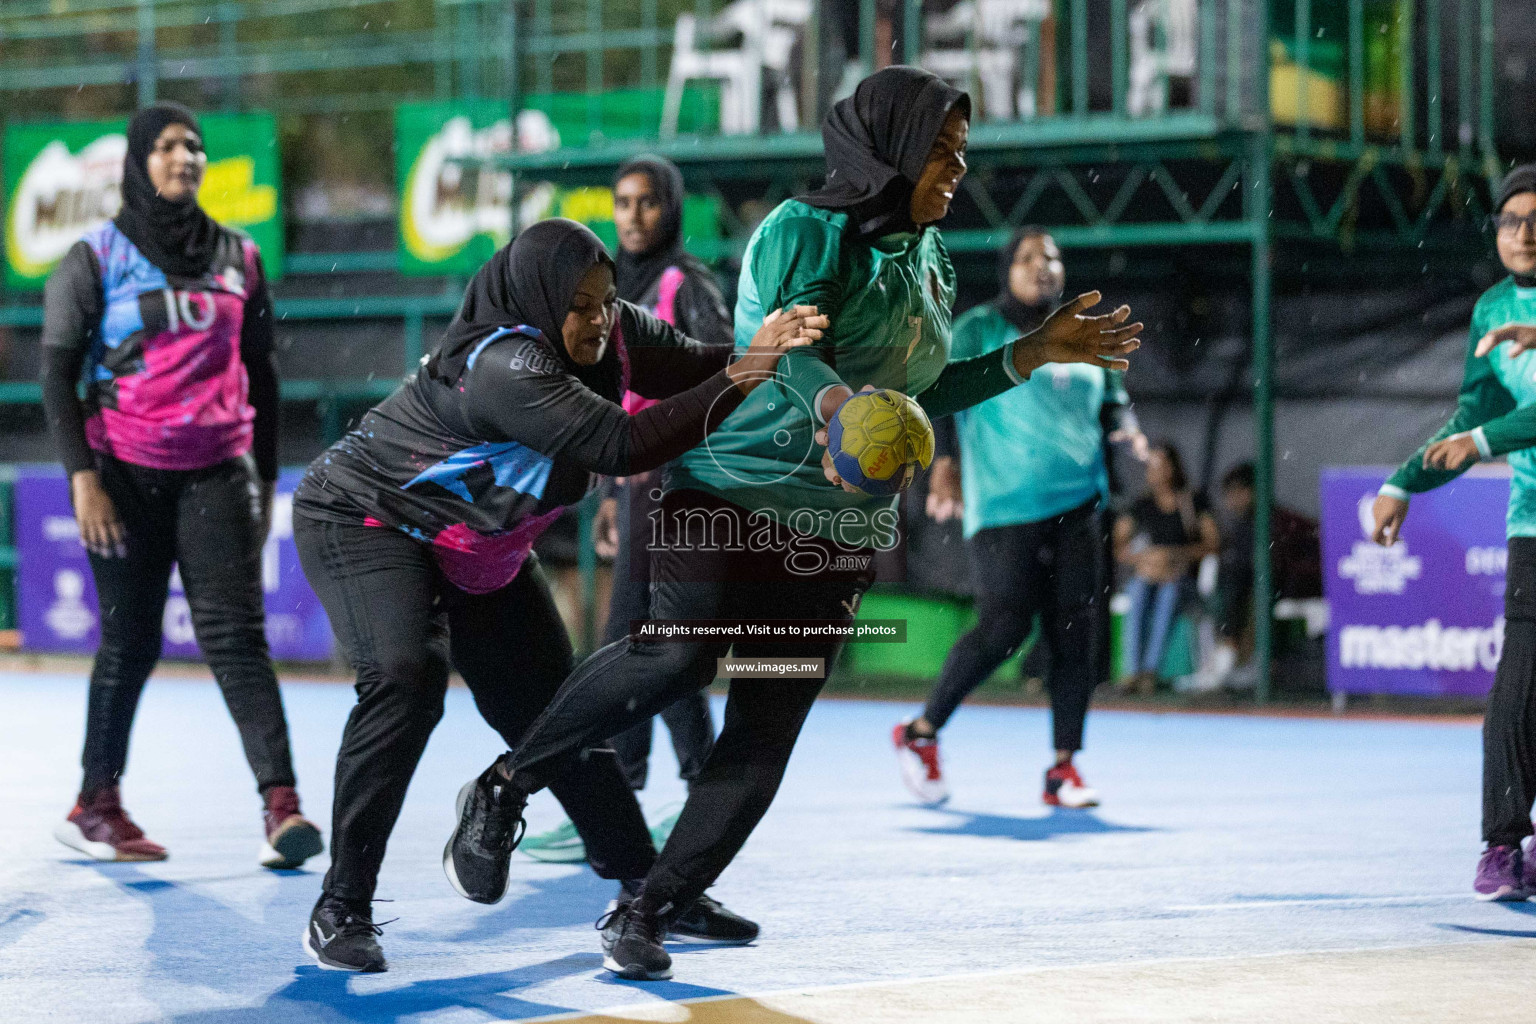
{"points": [[99, 828], [291, 838]]}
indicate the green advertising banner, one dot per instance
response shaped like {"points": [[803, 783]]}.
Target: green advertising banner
{"points": [[61, 180], [454, 216]]}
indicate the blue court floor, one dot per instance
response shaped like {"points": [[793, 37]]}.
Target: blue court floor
{"points": [[1220, 837]]}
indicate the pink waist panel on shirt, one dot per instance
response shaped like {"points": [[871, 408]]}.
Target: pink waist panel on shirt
{"points": [[479, 563]]}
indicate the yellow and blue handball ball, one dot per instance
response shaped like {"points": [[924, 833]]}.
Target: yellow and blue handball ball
{"points": [[878, 439]]}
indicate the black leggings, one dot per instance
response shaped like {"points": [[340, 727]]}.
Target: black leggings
{"points": [[631, 680], [1509, 726], [1053, 569], [206, 521], [687, 719], [401, 624]]}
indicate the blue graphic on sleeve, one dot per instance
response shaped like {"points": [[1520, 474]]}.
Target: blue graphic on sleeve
{"points": [[500, 332], [516, 466]]}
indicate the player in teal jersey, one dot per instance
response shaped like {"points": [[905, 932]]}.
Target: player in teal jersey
{"points": [[756, 525], [1496, 415], [1034, 475]]}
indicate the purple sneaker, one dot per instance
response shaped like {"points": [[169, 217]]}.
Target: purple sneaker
{"points": [[1499, 875]]}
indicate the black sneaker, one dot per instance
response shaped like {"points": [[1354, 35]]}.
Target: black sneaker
{"points": [[705, 920], [343, 937], [491, 824], [632, 944]]}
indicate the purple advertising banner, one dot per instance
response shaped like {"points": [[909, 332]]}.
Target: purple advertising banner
{"points": [[1424, 617], [56, 597]]}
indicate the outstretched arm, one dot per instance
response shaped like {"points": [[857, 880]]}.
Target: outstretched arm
{"points": [[532, 400], [1067, 336]]}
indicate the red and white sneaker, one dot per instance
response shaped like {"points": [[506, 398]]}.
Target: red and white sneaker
{"points": [[919, 762], [1065, 788], [99, 828], [291, 838]]}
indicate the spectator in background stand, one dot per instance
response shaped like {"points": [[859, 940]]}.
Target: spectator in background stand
{"points": [[1162, 537]]}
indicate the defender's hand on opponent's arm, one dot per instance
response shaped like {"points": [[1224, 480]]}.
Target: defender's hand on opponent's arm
{"points": [[1521, 338], [1069, 337], [782, 330], [1389, 513], [1453, 453]]}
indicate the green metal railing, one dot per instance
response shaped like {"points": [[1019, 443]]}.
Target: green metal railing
{"points": [[439, 50]]}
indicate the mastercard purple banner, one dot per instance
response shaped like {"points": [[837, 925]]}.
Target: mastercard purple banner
{"points": [[1424, 617], [56, 597]]}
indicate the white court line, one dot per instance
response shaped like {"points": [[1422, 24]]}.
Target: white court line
{"points": [[1325, 902]]}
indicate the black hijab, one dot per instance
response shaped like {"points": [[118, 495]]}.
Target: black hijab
{"points": [[1025, 318], [636, 273], [179, 238], [877, 141], [529, 281]]}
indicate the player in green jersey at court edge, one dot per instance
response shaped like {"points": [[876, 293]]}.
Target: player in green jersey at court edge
{"points": [[1496, 415]]}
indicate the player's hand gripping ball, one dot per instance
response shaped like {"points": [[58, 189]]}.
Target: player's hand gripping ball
{"points": [[878, 439]]}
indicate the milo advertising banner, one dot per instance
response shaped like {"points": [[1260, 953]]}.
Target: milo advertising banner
{"points": [[1424, 617], [61, 180], [453, 215]]}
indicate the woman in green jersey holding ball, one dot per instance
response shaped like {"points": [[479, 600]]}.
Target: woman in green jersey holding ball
{"points": [[755, 524]]}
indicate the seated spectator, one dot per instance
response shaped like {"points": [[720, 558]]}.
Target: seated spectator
{"points": [[1162, 537]]}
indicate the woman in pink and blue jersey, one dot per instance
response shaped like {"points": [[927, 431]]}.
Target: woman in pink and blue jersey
{"points": [[171, 461]]}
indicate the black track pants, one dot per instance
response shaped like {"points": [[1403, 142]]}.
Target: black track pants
{"points": [[1509, 727], [207, 522], [794, 577], [1051, 568], [402, 624]]}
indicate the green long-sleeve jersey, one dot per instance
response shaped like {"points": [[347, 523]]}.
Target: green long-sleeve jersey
{"points": [[1497, 405], [889, 303]]}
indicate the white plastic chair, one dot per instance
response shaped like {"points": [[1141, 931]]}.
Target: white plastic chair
{"points": [[767, 29], [993, 45], [1164, 44]]}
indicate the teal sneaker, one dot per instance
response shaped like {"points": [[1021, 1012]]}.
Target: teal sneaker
{"points": [[560, 845]]}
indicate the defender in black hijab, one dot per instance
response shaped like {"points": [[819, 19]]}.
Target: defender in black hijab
{"points": [[416, 532]]}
